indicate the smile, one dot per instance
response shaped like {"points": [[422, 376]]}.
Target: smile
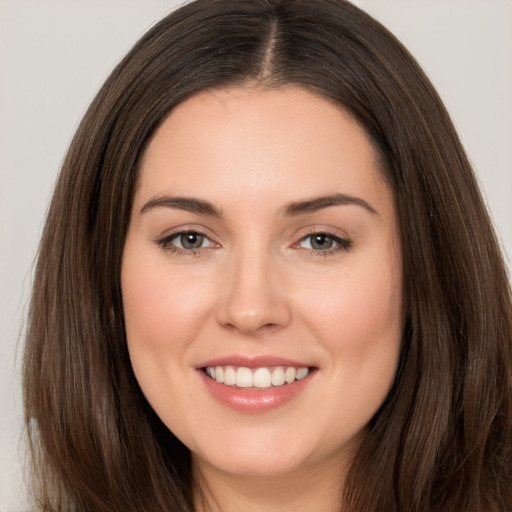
{"points": [[255, 384], [259, 378]]}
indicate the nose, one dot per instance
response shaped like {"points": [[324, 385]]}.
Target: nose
{"points": [[253, 295]]}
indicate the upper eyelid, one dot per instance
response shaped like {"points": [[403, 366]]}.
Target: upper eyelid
{"points": [[324, 230], [326, 233], [177, 234], [173, 232]]}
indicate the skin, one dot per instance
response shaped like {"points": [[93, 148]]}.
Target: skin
{"points": [[257, 286]]}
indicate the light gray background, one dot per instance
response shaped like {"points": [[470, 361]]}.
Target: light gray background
{"points": [[54, 55]]}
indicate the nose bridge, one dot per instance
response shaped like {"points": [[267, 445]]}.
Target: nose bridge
{"points": [[254, 296]]}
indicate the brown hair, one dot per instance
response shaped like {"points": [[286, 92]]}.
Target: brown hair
{"points": [[443, 438]]}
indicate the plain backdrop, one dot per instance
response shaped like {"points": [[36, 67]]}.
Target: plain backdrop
{"points": [[54, 55]]}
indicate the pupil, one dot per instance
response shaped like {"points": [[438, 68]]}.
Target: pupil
{"points": [[321, 242], [191, 240]]}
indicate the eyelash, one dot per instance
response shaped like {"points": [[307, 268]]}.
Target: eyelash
{"points": [[341, 244]]}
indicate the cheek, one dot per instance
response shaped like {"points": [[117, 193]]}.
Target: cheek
{"points": [[368, 310], [358, 317], [159, 306], [163, 317], [358, 320], [164, 312]]}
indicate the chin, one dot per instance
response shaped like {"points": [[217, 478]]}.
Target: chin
{"points": [[255, 466], [259, 459]]}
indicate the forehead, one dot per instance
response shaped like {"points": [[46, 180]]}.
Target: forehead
{"points": [[263, 144]]}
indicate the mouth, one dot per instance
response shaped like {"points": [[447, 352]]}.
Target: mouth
{"points": [[263, 377], [258, 384]]}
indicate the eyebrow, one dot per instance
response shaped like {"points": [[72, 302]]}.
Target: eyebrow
{"points": [[201, 207], [319, 203], [189, 204]]}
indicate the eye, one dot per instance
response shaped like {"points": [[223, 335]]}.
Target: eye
{"points": [[186, 241], [324, 242], [189, 240]]}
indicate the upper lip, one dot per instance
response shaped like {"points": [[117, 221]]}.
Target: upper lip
{"points": [[258, 361]]}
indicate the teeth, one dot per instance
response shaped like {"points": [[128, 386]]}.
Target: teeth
{"points": [[244, 378], [301, 373], [256, 377], [289, 374], [230, 376], [278, 377], [262, 378]]}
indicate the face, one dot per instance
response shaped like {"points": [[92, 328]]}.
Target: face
{"points": [[262, 280]]}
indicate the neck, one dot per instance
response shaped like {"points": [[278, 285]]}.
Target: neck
{"points": [[318, 488]]}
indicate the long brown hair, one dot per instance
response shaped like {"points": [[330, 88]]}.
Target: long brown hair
{"points": [[442, 441]]}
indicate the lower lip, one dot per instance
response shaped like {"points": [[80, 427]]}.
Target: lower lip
{"points": [[254, 400]]}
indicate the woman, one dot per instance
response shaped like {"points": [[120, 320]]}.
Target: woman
{"points": [[268, 280]]}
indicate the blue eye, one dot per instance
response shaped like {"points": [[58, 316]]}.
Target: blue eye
{"points": [[324, 242]]}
